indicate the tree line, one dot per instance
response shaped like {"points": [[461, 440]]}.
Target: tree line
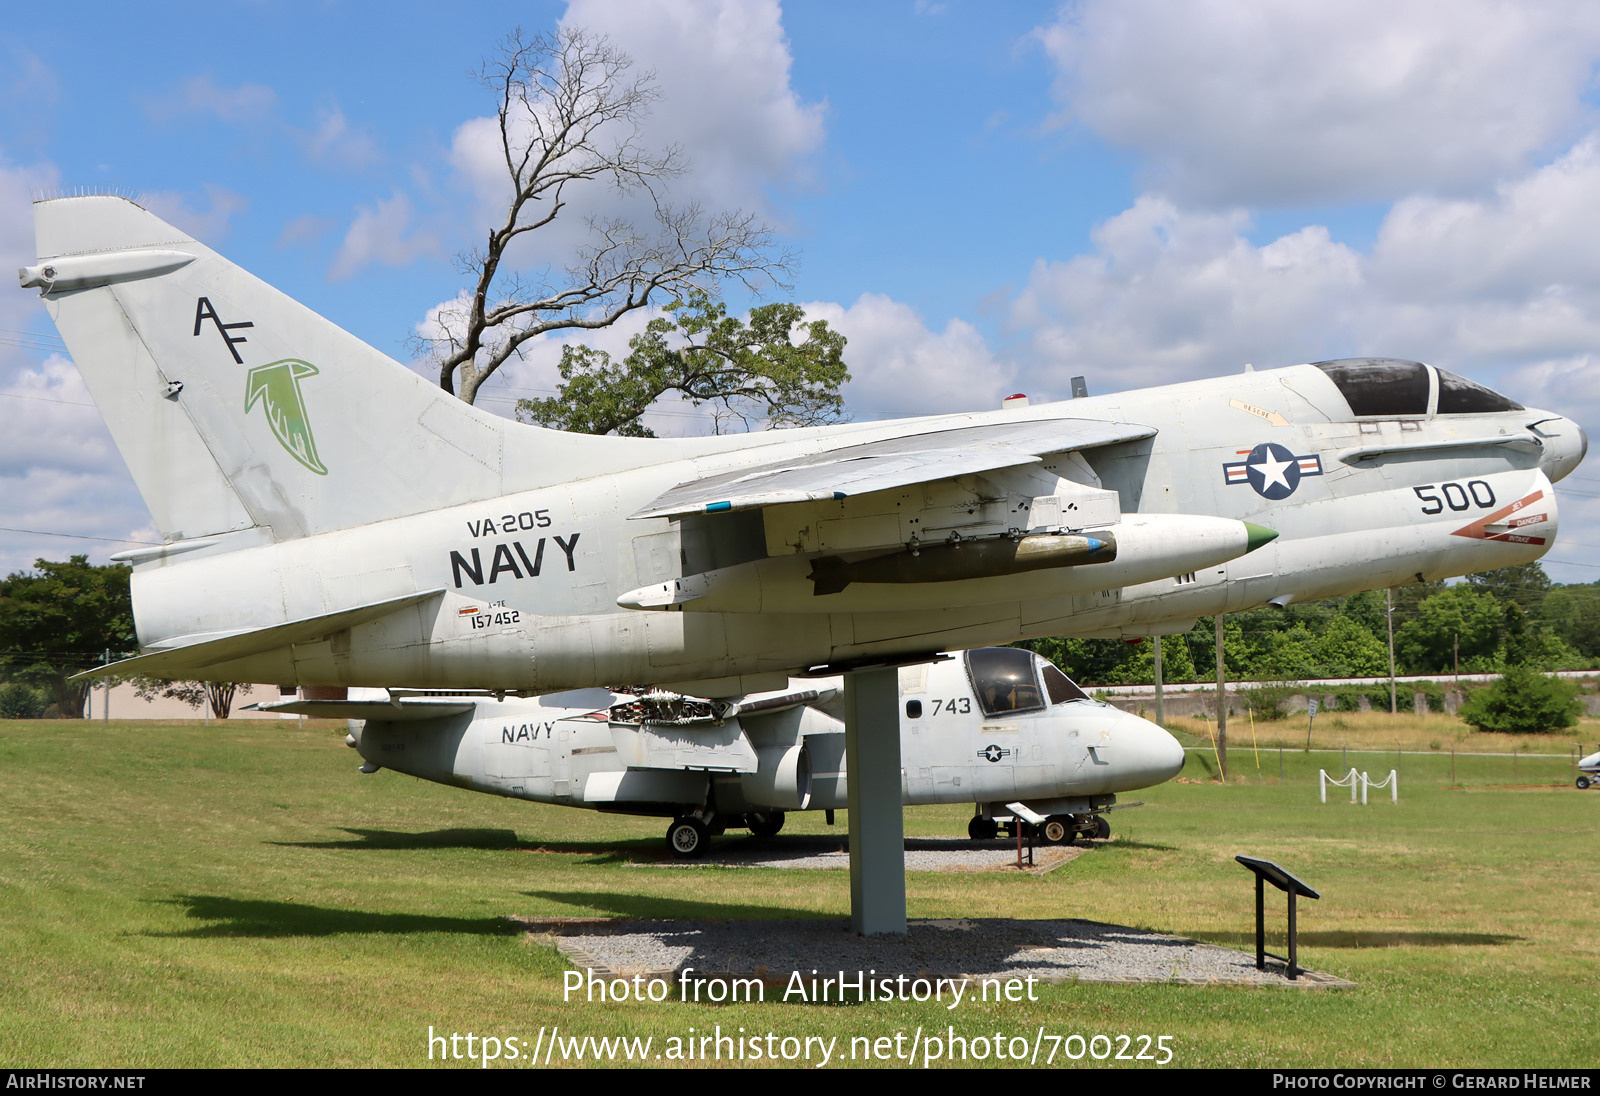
{"points": [[1489, 622]]}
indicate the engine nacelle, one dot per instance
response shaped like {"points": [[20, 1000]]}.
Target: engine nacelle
{"points": [[782, 780]]}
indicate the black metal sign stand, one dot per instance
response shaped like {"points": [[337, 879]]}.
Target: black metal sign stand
{"points": [[1266, 871]]}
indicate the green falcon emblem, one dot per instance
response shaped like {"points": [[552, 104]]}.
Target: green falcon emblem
{"points": [[277, 388]]}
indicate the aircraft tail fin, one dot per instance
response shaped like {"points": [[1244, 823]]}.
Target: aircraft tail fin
{"points": [[239, 409]]}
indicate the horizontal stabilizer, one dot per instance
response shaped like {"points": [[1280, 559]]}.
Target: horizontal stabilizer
{"points": [[894, 462], [767, 704], [187, 656]]}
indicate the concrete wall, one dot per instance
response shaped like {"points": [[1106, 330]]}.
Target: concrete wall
{"points": [[1201, 700], [125, 705]]}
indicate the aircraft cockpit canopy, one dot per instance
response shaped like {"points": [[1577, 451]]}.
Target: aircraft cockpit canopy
{"points": [[1005, 681], [1393, 388]]}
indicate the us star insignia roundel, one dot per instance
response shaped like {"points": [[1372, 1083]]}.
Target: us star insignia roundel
{"points": [[1271, 470]]}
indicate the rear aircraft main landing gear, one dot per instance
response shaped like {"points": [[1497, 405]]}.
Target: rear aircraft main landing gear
{"points": [[1058, 830], [688, 838], [983, 829], [764, 823]]}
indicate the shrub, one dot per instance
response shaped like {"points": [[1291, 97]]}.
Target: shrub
{"points": [[1266, 700], [18, 701], [1523, 701]]}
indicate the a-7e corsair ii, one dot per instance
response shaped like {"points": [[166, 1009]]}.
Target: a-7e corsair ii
{"points": [[998, 727], [331, 518]]}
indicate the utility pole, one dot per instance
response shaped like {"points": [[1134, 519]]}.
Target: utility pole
{"points": [[1389, 613], [1222, 707], [1161, 717]]}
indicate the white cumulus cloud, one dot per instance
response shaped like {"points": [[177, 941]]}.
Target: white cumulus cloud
{"points": [[899, 366], [388, 234], [1301, 101], [1171, 295]]}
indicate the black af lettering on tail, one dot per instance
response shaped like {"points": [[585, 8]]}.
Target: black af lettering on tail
{"points": [[203, 312]]}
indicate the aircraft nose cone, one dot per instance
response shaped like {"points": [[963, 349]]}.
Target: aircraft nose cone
{"points": [[1565, 446], [1153, 754]]}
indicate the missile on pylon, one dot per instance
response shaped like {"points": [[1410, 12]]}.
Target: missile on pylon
{"points": [[956, 559], [1139, 548]]}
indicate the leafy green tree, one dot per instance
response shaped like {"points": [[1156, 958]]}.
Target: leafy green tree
{"points": [[1138, 665], [571, 111], [1291, 654], [1524, 701], [193, 693], [1464, 613], [1368, 610], [753, 369], [1087, 661], [61, 618], [1525, 585], [1573, 615], [1339, 647], [1095, 662], [1525, 642]]}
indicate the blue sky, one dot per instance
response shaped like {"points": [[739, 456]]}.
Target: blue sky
{"points": [[985, 198]]}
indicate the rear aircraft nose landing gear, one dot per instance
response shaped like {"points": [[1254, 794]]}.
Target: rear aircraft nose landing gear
{"points": [[1057, 830]]}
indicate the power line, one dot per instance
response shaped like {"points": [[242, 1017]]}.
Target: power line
{"points": [[79, 536], [32, 340], [45, 399]]}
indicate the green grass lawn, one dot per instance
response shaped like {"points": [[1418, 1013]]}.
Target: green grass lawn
{"points": [[182, 895]]}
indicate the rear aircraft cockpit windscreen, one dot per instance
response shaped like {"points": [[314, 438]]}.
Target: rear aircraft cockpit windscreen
{"points": [[1062, 689], [1395, 388], [1006, 679], [1003, 680]]}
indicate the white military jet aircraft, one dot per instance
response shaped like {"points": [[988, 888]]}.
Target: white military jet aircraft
{"points": [[997, 727], [331, 518]]}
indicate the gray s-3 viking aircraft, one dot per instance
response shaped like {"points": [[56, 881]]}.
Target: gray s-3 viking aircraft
{"points": [[331, 518], [999, 727]]}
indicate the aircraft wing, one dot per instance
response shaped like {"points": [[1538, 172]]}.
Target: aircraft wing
{"points": [[893, 462], [392, 711]]}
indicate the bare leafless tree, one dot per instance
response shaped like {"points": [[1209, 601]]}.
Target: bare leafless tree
{"points": [[571, 109]]}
